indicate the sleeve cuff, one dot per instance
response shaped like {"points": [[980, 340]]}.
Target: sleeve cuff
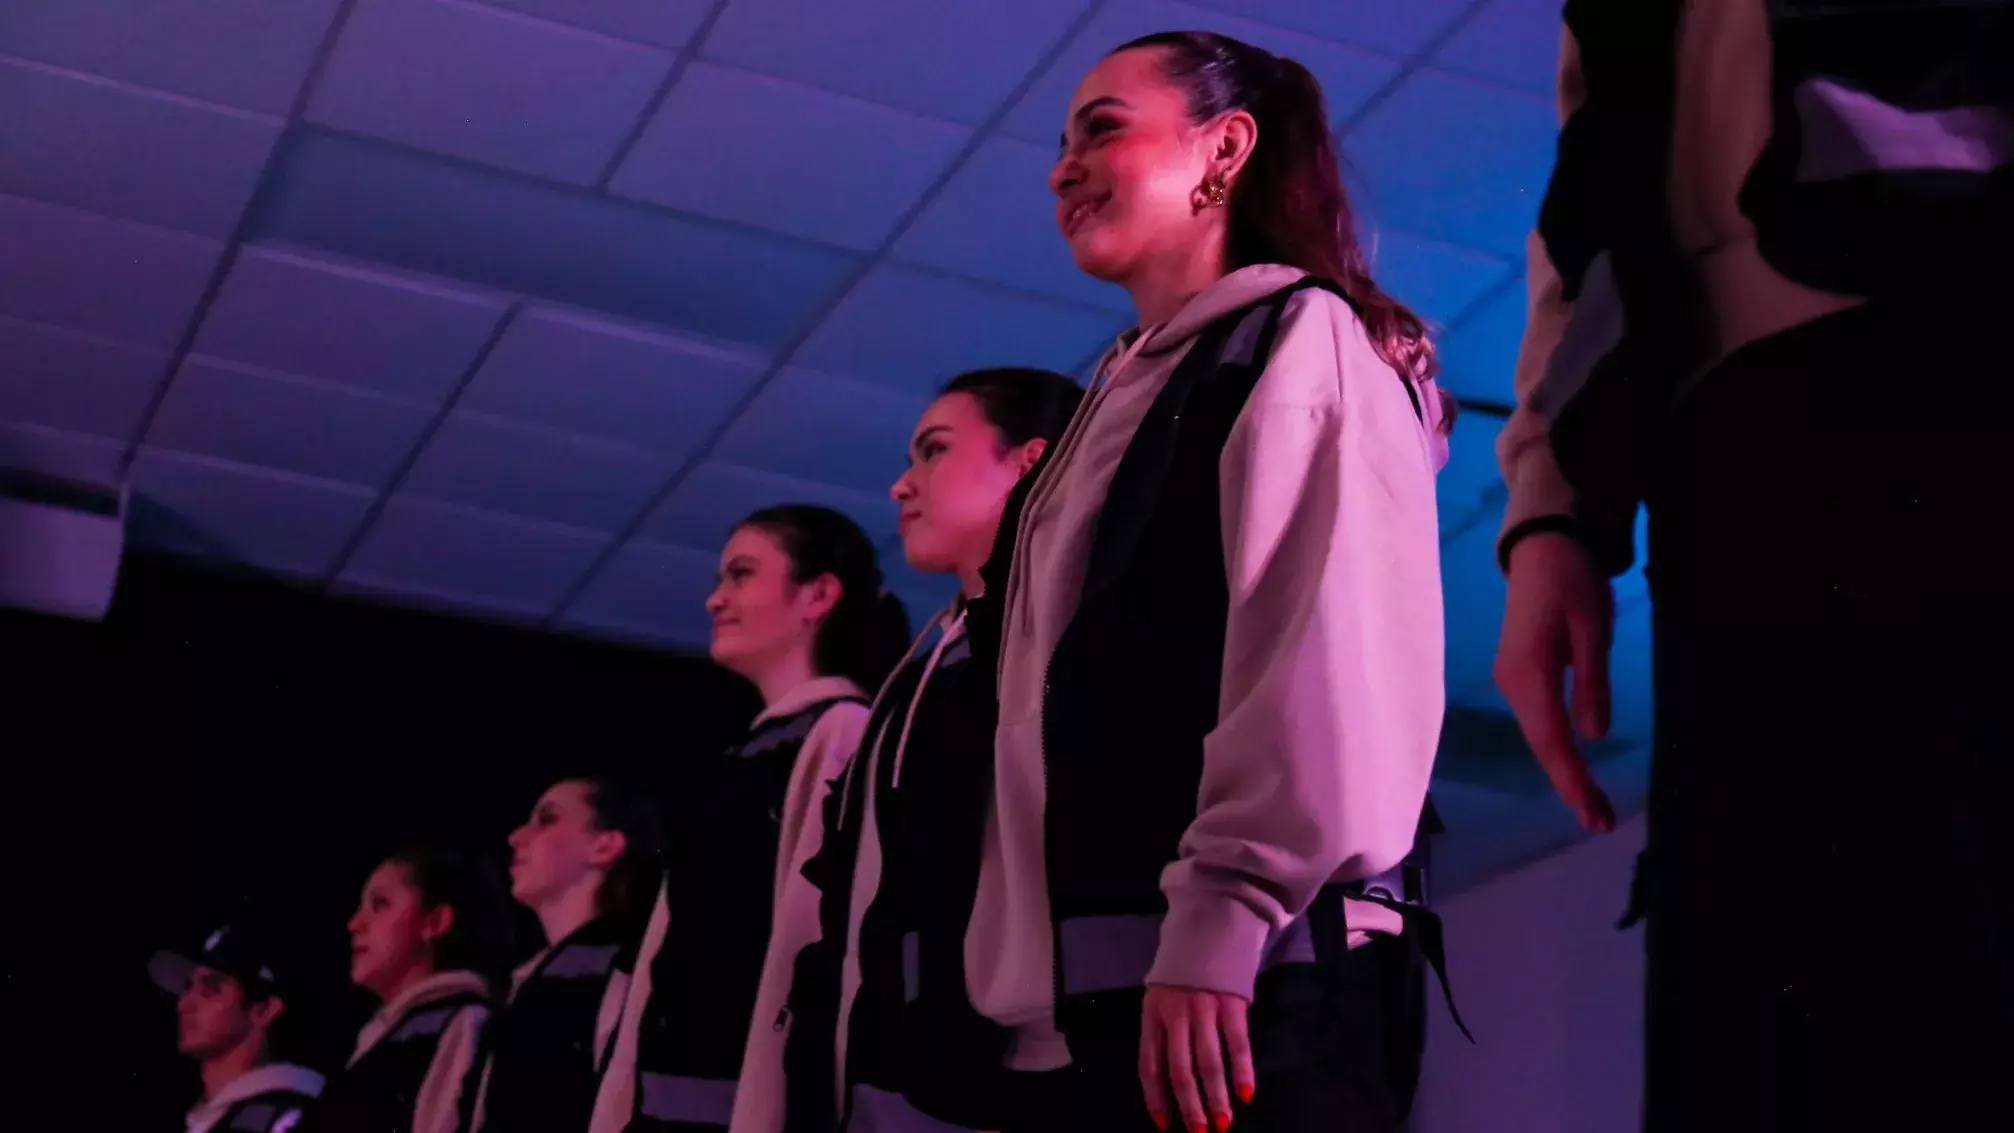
{"points": [[1538, 525], [1210, 942]]}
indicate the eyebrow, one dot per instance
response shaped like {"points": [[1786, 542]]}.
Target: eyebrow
{"points": [[1086, 110], [917, 441]]}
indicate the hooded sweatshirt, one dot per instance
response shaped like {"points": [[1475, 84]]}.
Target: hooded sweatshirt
{"points": [[361, 1092], [1332, 690], [284, 1080], [825, 751], [760, 1099]]}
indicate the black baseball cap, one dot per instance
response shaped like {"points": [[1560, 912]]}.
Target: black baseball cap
{"points": [[239, 951]]}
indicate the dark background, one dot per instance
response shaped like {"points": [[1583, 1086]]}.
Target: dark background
{"points": [[223, 742]]}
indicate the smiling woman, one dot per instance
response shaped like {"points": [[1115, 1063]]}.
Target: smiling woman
{"points": [[800, 612], [1220, 675]]}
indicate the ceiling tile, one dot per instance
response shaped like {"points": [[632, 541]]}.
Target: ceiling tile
{"points": [[492, 464], [565, 245], [373, 329], [666, 23], [273, 420], [86, 272], [1404, 27], [1470, 489], [1479, 357], [996, 220], [806, 177], [912, 331], [468, 558], [478, 82], [822, 427], [1511, 41], [706, 505], [75, 381], [650, 592], [1348, 75], [60, 453], [949, 61], [586, 375], [1475, 178], [90, 143], [246, 53], [1437, 280], [212, 509]]}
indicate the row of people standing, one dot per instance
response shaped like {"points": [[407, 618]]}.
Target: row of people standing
{"points": [[1127, 835]]}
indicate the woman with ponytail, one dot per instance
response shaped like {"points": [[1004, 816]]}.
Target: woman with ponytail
{"points": [[587, 862], [1220, 669], [801, 614], [900, 851]]}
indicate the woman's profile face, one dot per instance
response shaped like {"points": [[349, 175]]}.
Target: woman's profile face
{"points": [[760, 613], [960, 474], [392, 932], [558, 847], [1130, 167]]}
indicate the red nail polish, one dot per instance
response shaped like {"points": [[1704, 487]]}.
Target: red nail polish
{"points": [[1245, 1092], [1198, 1127], [1160, 1119], [1223, 1121]]}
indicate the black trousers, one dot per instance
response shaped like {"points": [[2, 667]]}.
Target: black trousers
{"points": [[1827, 883], [1333, 1055]]}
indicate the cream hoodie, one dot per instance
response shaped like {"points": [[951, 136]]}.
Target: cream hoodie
{"points": [[1722, 119], [1332, 694], [438, 1109], [827, 749], [759, 1099], [273, 1076]]}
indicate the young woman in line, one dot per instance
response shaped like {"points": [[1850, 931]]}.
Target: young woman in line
{"points": [[588, 863], [1221, 681], [906, 819], [801, 613], [429, 939]]}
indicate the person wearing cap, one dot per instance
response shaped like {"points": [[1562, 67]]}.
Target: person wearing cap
{"points": [[228, 999]]}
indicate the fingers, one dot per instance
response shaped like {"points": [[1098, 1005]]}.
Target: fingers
{"points": [[1587, 644], [1537, 697], [1182, 1067], [1238, 1046], [1203, 1035], [1153, 1058]]}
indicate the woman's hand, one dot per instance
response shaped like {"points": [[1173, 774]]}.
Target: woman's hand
{"points": [[1559, 615], [1194, 1045]]}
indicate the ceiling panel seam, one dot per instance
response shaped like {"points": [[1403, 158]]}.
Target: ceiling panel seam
{"points": [[235, 242], [816, 318], [1514, 276], [680, 62], [419, 447], [1409, 67]]}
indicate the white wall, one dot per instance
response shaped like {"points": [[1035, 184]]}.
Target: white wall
{"points": [[1554, 995]]}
